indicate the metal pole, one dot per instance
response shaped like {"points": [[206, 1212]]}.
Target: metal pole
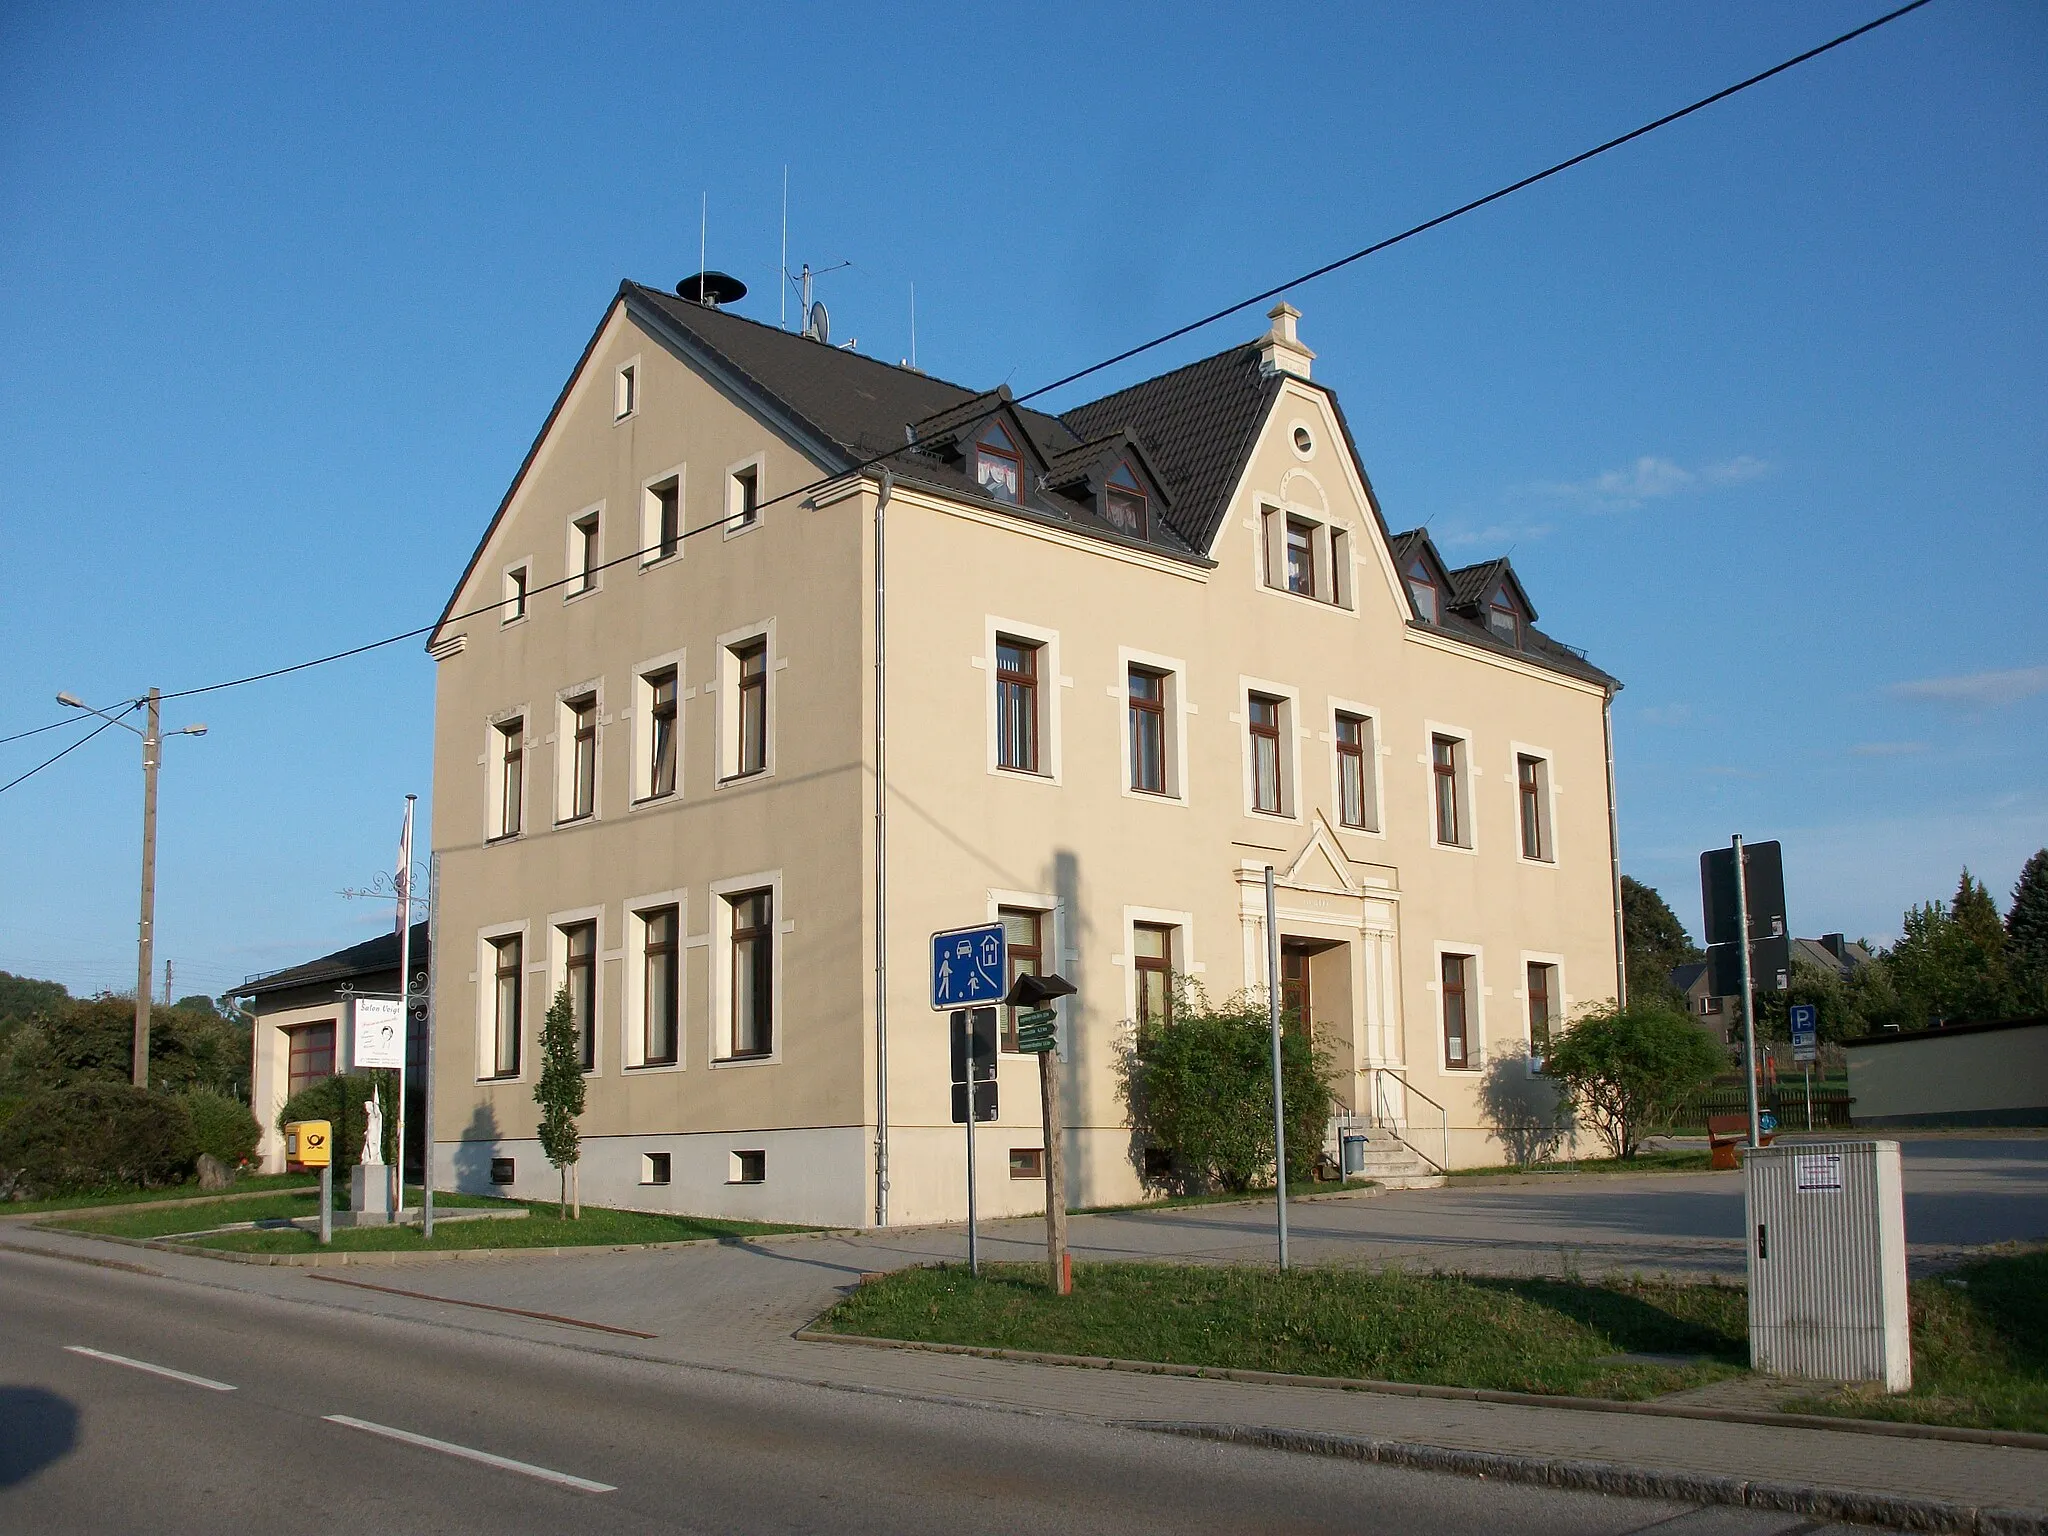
{"points": [[152, 749], [966, 1018], [1748, 1008], [1809, 1095], [881, 841], [433, 933], [404, 991], [1279, 1098], [327, 1198]]}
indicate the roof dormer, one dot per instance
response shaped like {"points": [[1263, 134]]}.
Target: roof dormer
{"points": [[1113, 478], [1491, 596]]}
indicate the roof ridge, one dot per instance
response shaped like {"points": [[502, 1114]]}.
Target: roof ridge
{"points": [[1243, 346]]}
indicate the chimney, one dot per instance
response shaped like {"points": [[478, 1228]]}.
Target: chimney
{"points": [[1834, 945], [1280, 350]]}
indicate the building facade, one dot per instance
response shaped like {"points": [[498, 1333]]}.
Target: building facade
{"points": [[1106, 668]]}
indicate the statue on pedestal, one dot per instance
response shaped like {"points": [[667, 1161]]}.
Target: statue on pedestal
{"points": [[373, 1132]]}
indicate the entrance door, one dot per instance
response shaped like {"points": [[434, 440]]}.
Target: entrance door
{"points": [[1295, 996]]}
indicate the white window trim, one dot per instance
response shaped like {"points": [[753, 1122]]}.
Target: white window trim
{"points": [[633, 991], [726, 687], [758, 463], [650, 517], [493, 761], [564, 739], [641, 713], [1376, 750], [1475, 1009], [523, 565], [1051, 685], [1057, 956], [1302, 424], [1183, 924], [721, 968], [1177, 711], [486, 1040], [1292, 734], [1560, 1002], [619, 372], [1517, 750], [1270, 546], [558, 974], [592, 581], [1468, 779]]}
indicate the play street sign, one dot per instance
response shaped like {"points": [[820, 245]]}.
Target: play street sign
{"points": [[969, 965]]}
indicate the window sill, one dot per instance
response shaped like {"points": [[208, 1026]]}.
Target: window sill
{"points": [[743, 778], [671, 1065], [744, 1059], [516, 619], [577, 597], [1351, 831], [651, 800], [1523, 858], [1453, 847], [503, 837], [500, 1077], [735, 526], [660, 560], [1329, 603], [577, 820], [1272, 815]]}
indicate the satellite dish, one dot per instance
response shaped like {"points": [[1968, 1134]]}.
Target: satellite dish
{"points": [[819, 326], [711, 288]]}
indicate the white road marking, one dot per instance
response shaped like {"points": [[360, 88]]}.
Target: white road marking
{"points": [[154, 1370], [506, 1463]]}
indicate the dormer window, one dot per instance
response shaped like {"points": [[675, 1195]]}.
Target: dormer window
{"points": [[1504, 618], [997, 463], [1423, 589], [1123, 501]]}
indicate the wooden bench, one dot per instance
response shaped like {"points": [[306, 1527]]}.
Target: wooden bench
{"points": [[1726, 1133]]}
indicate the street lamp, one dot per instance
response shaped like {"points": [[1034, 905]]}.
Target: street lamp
{"points": [[152, 741]]}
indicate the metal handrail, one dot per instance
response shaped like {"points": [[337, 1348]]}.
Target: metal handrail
{"points": [[1385, 1119]]}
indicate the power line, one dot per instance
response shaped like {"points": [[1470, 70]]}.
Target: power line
{"points": [[39, 767], [54, 725], [1124, 356]]}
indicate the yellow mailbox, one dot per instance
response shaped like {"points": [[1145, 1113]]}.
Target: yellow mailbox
{"points": [[309, 1143]]}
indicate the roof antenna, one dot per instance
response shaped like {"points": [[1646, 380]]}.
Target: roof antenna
{"points": [[783, 319], [703, 228], [817, 320], [913, 325]]}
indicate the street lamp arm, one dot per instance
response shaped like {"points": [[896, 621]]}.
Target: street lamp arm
{"points": [[73, 701]]}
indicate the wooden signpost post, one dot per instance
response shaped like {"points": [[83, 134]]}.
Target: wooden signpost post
{"points": [[1038, 1035]]}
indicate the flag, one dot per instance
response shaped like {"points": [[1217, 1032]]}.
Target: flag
{"points": [[403, 881]]}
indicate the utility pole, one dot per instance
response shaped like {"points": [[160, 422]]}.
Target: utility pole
{"points": [[167, 983], [152, 749]]}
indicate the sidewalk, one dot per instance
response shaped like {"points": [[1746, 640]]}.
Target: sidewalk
{"points": [[735, 1307]]}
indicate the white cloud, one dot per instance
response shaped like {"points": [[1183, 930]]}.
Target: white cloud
{"points": [[1976, 690], [1665, 714], [1887, 748], [1652, 478], [1499, 536]]}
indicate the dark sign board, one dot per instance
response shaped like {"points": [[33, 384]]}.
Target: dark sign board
{"points": [[1764, 869], [982, 1032], [1770, 967], [984, 1102]]}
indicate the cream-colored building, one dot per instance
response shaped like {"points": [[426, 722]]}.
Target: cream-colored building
{"points": [[1114, 663]]}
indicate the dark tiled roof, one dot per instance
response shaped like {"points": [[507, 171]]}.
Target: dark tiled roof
{"points": [[1683, 976], [1475, 580], [364, 959], [1471, 584], [1198, 425]]}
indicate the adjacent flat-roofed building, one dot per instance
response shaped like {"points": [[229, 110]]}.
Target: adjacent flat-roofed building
{"points": [[1117, 662]]}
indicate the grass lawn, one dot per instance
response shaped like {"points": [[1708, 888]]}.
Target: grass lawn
{"points": [[161, 1222], [1296, 1189], [543, 1229], [1518, 1335], [1683, 1161], [1980, 1351], [248, 1184]]}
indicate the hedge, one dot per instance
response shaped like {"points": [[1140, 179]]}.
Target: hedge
{"points": [[223, 1126], [95, 1137]]}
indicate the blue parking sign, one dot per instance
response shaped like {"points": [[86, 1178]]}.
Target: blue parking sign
{"points": [[969, 966], [1805, 1021]]}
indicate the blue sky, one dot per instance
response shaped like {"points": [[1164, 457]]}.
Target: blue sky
{"points": [[1757, 404]]}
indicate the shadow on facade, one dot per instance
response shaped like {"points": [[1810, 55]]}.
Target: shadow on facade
{"points": [[474, 1152], [1527, 1114]]}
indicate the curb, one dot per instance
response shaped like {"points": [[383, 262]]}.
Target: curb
{"points": [[115, 1208], [1845, 1504], [2013, 1439]]}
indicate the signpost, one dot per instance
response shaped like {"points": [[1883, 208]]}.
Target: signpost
{"points": [[1805, 1020], [1742, 897], [968, 967], [1038, 1035]]}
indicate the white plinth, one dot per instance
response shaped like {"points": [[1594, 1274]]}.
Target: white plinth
{"points": [[369, 1194]]}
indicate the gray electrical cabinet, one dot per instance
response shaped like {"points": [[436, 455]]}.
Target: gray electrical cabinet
{"points": [[1827, 1261]]}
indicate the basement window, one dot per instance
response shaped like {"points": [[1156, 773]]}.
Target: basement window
{"points": [[747, 1168], [654, 1167], [501, 1170]]}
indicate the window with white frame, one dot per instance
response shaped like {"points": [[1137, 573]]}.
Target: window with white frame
{"points": [[578, 942], [661, 518], [1269, 752], [576, 758], [1532, 806], [626, 391], [749, 974], [1450, 790], [1026, 931], [1544, 1002], [998, 465], [506, 954], [508, 777], [1357, 755], [1152, 967], [743, 497], [514, 607], [658, 734], [1307, 556], [746, 721], [1148, 707], [656, 1035], [1019, 698], [1423, 589], [585, 554], [1458, 977]]}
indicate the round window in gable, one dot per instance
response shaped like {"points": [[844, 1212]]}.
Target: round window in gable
{"points": [[1303, 443]]}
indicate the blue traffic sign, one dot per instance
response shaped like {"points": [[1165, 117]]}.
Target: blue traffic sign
{"points": [[969, 965], [1805, 1021]]}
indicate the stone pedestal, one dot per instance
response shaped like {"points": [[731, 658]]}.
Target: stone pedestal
{"points": [[369, 1194]]}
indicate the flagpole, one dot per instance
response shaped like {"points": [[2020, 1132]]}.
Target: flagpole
{"points": [[404, 989]]}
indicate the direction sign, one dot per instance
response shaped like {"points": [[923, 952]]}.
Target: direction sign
{"points": [[1037, 1030], [1805, 1020], [969, 965]]}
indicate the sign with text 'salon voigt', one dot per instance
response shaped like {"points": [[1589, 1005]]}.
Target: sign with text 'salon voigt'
{"points": [[380, 1032]]}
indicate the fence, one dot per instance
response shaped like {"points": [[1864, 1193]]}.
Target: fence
{"points": [[1787, 1100]]}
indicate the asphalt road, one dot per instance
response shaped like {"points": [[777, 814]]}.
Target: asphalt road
{"points": [[291, 1417]]}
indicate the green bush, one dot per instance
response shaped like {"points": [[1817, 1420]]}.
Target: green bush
{"points": [[339, 1100], [223, 1126], [92, 1040], [95, 1137], [1199, 1090], [1624, 1071]]}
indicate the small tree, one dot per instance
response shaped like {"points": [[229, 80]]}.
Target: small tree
{"points": [[559, 1093], [2026, 932], [1624, 1070], [1655, 942]]}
